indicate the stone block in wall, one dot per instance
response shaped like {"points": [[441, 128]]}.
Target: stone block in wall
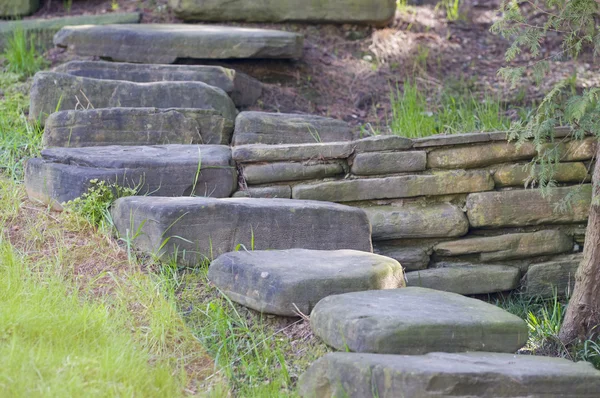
{"points": [[378, 143], [508, 246], [527, 207], [411, 258], [286, 128], [291, 152], [450, 139], [265, 173], [443, 183], [577, 150], [417, 221], [276, 191], [557, 276], [479, 155], [519, 174], [377, 163]]}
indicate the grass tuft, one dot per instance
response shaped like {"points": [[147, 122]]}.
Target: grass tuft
{"points": [[22, 55]]}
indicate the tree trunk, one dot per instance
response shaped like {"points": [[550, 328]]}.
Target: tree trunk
{"points": [[582, 319]]}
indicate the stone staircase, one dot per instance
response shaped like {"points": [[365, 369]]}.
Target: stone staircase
{"points": [[281, 245]]}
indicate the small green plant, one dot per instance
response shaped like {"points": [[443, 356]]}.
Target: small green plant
{"points": [[114, 5], [67, 4], [22, 55], [452, 9]]}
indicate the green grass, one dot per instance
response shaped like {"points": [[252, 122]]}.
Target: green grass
{"points": [[21, 54]]}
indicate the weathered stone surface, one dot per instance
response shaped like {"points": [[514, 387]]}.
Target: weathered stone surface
{"points": [[243, 89], [377, 12], [374, 163], [414, 321], [379, 143], [63, 174], [520, 174], [450, 182], [577, 150], [16, 8], [291, 152], [417, 221], [288, 171], [165, 44], [276, 191], [411, 258], [479, 155], [50, 89], [527, 207], [450, 139], [285, 128], [461, 375], [136, 126], [283, 282], [553, 277], [200, 228], [474, 279], [509, 246]]}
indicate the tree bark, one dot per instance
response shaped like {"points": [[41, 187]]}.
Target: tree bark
{"points": [[582, 319]]}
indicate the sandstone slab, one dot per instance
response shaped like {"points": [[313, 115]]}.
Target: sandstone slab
{"points": [[283, 282], [460, 375], [472, 279], [265, 173], [136, 126], [374, 163], [166, 43], [275, 191], [291, 152], [520, 174], [199, 228], [17, 8], [411, 258], [379, 143], [479, 155], [451, 139], [552, 277], [414, 321], [243, 89]]}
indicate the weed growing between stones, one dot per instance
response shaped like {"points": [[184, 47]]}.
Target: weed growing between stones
{"points": [[21, 54]]}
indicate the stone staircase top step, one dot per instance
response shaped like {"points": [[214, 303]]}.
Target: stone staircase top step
{"points": [[166, 43], [243, 89], [283, 282]]}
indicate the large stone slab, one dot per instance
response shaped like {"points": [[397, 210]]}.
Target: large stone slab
{"points": [[552, 277], [136, 126], [509, 246], [63, 174], [528, 207], [472, 279], [411, 258], [243, 89], [479, 155], [265, 173], [520, 174], [376, 163], [53, 92], [444, 183], [165, 44], [200, 228], [414, 321], [283, 282], [17, 8], [377, 12], [461, 375], [417, 221], [291, 152], [287, 128]]}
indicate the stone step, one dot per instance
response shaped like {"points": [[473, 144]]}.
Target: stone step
{"points": [[415, 321], [243, 89], [136, 126], [284, 128], [378, 12], [435, 375], [199, 228], [167, 43], [63, 174], [292, 152], [283, 282], [53, 91]]}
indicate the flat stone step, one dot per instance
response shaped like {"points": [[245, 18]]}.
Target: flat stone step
{"points": [[201, 228], [285, 128], [243, 89], [63, 174], [414, 321], [165, 43], [465, 375], [136, 126], [283, 282]]}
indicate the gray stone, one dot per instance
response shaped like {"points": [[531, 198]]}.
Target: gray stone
{"points": [[450, 182], [379, 143], [552, 277], [275, 191], [288, 171], [63, 174], [17, 8], [136, 126], [509, 246], [52, 92], [165, 44], [417, 221], [378, 12], [479, 155], [200, 228], [450, 139], [461, 375], [474, 279], [415, 321], [291, 152], [243, 89], [527, 207], [374, 163], [285, 128], [285, 282], [520, 174], [411, 258], [575, 150]]}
